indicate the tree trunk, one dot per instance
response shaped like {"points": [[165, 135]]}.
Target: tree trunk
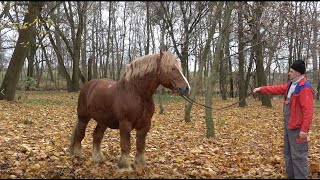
{"points": [[47, 60], [223, 75], [123, 40], [147, 47], [241, 83], [258, 49], [225, 68], [11, 79], [163, 48], [94, 55], [249, 73], [90, 63], [216, 59], [202, 61], [30, 57], [290, 58], [109, 36], [231, 93], [315, 70], [318, 86], [58, 43], [84, 50], [160, 95], [77, 45], [113, 69]]}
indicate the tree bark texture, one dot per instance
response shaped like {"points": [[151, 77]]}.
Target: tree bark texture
{"points": [[26, 34]]}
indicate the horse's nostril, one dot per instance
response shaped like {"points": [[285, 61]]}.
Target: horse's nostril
{"points": [[183, 90]]}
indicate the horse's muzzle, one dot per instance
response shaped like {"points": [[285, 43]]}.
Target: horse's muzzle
{"points": [[183, 91]]}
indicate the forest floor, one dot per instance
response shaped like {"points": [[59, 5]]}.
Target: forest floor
{"points": [[35, 134]]}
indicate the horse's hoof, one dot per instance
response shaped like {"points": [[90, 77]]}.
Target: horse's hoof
{"points": [[76, 151], [123, 165], [98, 158], [124, 162], [141, 164], [123, 170], [76, 154], [80, 156]]}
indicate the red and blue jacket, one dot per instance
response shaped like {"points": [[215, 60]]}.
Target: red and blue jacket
{"points": [[301, 107]]}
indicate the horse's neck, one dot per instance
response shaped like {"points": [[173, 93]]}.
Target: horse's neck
{"points": [[144, 86]]}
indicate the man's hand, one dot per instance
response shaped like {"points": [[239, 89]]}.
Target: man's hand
{"points": [[256, 89], [303, 134]]}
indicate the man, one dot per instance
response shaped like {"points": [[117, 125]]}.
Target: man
{"points": [[298, 114]]}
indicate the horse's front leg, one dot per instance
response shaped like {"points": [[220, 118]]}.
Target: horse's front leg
{"points": [[124, 162], [141, 144]]}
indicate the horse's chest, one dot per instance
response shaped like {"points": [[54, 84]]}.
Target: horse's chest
{"points": [[143, 116]]}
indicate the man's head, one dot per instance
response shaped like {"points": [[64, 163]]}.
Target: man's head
{"points": [[297, 68]]}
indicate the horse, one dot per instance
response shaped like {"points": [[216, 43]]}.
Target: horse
{"points": [[126, 104]]}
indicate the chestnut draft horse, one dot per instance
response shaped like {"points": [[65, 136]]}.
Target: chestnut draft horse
{"points": [[126, 105]]}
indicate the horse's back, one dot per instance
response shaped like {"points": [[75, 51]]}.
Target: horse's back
{"points": [[89, 85]]}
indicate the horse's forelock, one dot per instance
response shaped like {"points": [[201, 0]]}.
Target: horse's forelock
{"points": [[168, 61]]}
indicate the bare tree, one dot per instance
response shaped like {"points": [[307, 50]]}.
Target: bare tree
{"points": [[44, 51], [314, 43], [76, 36], [192, 13], [241, 82], [217, 57], [258, 49], [202, 61], [148, 24], [26, 34], [58, 52], [223, 70]]}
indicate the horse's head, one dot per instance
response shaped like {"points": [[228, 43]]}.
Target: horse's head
{"points": [[170, 74]]}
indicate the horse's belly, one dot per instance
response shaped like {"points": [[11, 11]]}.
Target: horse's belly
{"points": [[106, 119], [112, 123]]}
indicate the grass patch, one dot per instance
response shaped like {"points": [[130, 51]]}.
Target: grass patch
{"points": [[221, 121], [43, 102], [43, 98], [167, 98]]}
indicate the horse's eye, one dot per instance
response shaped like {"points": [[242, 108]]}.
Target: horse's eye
{"points": [[173, 68]]}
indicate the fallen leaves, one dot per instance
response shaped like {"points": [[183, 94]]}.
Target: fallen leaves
{"points": [[35, 134]]}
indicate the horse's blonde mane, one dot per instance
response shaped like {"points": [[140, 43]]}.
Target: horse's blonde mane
{"points": [[148, 63]]}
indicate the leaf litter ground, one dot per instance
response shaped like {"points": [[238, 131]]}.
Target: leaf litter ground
{"points": [[35, 134]]}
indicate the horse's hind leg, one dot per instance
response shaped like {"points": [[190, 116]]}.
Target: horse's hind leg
{"points": [[77, 136], [97, 155]]}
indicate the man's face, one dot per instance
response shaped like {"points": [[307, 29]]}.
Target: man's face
{"points": [[293, 73]]}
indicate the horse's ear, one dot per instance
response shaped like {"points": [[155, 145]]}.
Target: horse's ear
{"points": [[161, 54]]}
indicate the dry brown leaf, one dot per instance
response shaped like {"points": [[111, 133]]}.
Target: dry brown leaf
{"points": [[35, 137]]}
